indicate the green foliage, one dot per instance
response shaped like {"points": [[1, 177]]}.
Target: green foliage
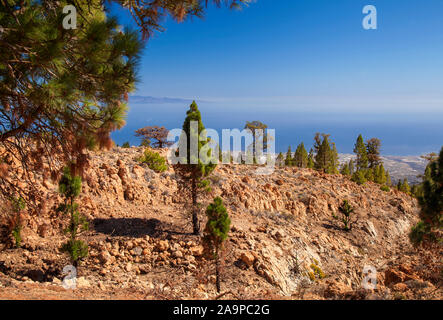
{"points": [[326, 157], [419, 232], [16, 233], [404, 186], [154, 161], [360, 151], [217, 226], [70, 188], [288, 159], [190, 167], [216, 232], [385, 188], [280, 161], [373, 152], [346, 210], [15, 222], [351, 167], [77, 249], [311, 162], [430, 197], [359, 177], [380, 174], [62, 90], [345, 169], [301, 156], [126, 145], [369, 174]]}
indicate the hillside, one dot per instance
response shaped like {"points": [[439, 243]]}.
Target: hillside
{"points": [[399, 167], [282, 242]]}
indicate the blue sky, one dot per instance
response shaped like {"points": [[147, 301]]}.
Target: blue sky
{"points": [[303, 55]]}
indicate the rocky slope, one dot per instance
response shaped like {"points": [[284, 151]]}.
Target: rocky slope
{"points": [[284, 241]]}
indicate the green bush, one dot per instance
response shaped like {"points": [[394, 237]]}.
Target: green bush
{"points": [[346, 210], [418, 233], [154, 161], [126, 145], [70, 188], [385, 188], [15, 222], [216, 232], [359, 177], [77, 249]]}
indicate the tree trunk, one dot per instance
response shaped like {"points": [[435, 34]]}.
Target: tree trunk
{"points": [[217, 272], [195, 221]]}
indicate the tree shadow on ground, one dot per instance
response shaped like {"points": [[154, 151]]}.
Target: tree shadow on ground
{"points": [[135, 227]]}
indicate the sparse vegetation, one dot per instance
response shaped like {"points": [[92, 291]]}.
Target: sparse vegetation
{"points": [[126, 145], [431, 204], [346, 210], [154, 160], [216, 232], [15, 223], [70, 188]]}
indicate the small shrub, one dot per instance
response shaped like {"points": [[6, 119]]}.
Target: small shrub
{"points": [[316, 272], [385, 188], [126, 145], [346, 210], [70, 188], [359, 177], [15, 223], [418, 233], [154, 161], [216, 232]]}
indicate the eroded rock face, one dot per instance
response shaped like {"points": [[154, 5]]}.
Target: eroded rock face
{"points": [[283, 228]]}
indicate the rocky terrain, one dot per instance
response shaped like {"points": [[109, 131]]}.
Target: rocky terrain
{"points": [[284, 242]]}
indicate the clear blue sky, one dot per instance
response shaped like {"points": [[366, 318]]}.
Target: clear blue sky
{"points": [[303, 55]]}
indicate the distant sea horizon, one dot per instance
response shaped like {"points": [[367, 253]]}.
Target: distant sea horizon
{"points": [[401, 134]]}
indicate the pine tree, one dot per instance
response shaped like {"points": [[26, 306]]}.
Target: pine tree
{"points": [[216, 232], [430, 199], [311, 162], [333, 163], [280, 159], [70, 188], [345, 169], [405, 186], [388, 179], [61, 91], [191, 169], [351, 167], [289, 159], [373, 152], [322, 155], [154, 136], [431, 202], [380, 176], [360, 151], [326, 158], [359, 177], [301, 156], [257, 129]]}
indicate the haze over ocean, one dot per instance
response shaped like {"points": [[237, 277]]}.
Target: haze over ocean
{"points": [[401, 134]]}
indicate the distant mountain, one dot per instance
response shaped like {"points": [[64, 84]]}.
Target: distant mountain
{"points": [[399, 167], [157, 100]]}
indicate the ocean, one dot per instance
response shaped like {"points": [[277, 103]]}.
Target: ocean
{"points": [[400, 133]]}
